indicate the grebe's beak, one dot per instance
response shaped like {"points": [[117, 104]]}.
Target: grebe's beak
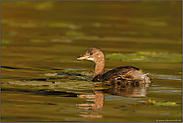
{"points": [[82, 57]]}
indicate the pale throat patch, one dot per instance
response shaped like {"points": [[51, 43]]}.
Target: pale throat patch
{"points": [[90, 59]]}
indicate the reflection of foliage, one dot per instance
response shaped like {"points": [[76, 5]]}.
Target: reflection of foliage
{"points": [[150, 23], [146, 57], [36, 25], [37, 40], [11, 33], [5, 41], [73, 33], [43, 5]]}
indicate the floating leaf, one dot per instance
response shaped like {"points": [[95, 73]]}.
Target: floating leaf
{"points": [[166, 104], [163, 103]]}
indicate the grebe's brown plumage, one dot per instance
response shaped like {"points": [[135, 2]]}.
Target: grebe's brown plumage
{"points": [[126, 74]]}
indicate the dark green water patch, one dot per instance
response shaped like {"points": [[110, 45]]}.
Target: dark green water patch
{"points": [[9, 67], [35, 91]]}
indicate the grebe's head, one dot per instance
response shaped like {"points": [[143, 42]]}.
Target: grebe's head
{"points": [[94, 54]]}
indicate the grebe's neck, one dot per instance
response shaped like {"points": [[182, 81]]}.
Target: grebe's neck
{"points": [[99, 66]]}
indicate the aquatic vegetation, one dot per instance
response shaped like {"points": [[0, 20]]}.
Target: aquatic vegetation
{"points": [[153, 102], [61, 81], [58, 84], [145, 57]]}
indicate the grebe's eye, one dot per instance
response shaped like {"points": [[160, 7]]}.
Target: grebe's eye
{"points": [[91, 53]]}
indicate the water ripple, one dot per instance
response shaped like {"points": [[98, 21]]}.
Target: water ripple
{"points": [[169, 77]]}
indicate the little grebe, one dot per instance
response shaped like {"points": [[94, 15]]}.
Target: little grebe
{"points": [[120, 74]]}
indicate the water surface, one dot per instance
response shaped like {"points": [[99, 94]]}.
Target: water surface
{"points": [[41, 80]]}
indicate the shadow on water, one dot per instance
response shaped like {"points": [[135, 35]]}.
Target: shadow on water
{"points": [[8, 67], [43, 92]]}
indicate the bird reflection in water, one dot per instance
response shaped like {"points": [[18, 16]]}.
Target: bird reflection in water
{"points": [[93, 110], [98, 99]]}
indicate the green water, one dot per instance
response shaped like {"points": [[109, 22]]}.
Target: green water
{"points": [[41, 80]]}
